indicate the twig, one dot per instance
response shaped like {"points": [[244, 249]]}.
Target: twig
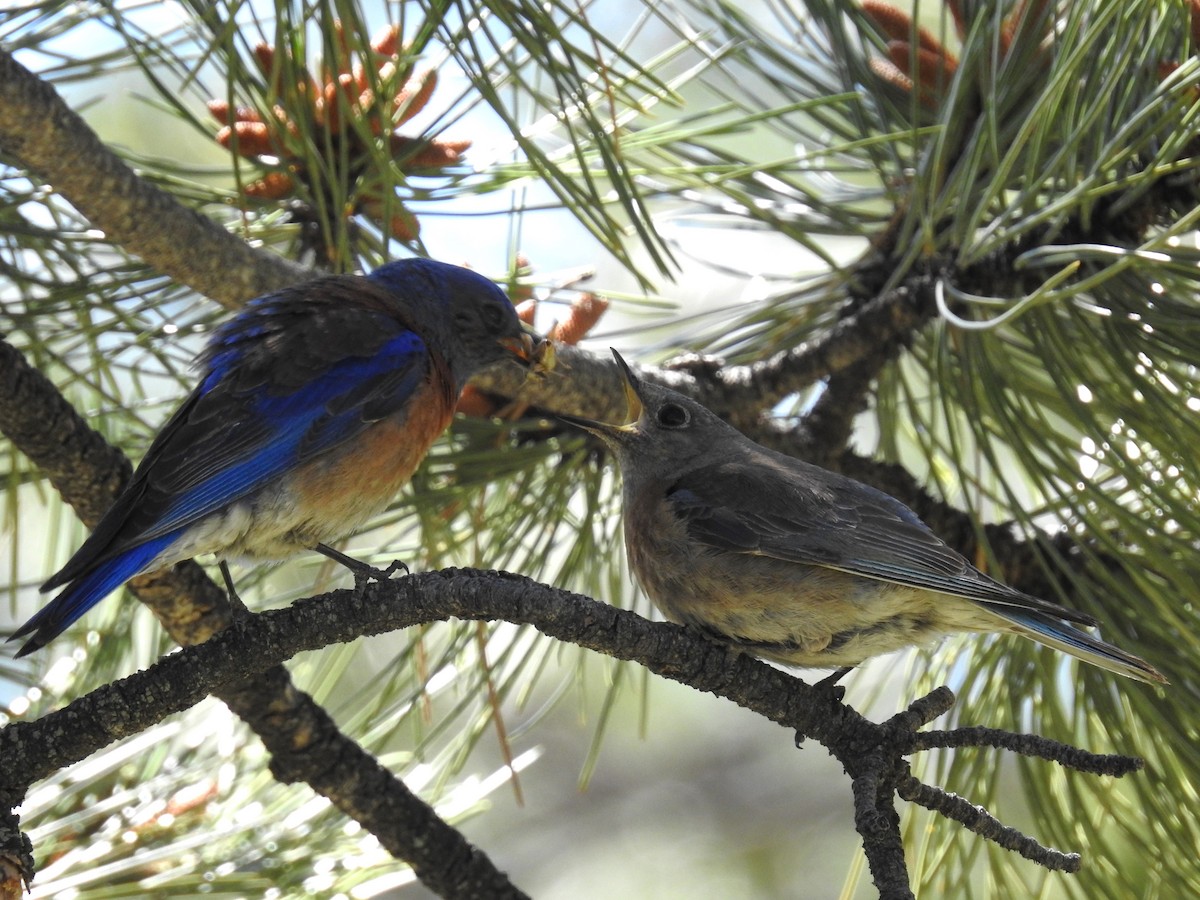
{"points": [[1034, 745], [984, 824]]}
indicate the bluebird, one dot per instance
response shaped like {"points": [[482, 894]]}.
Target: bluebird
{"points": [[797, 564], [315, 405]]}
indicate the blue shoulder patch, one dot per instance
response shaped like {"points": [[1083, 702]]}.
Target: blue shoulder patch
{"points": [[344, 400]]}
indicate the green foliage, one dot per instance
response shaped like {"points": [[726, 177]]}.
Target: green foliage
{"points": [[1058, 390], [1049, 194]]}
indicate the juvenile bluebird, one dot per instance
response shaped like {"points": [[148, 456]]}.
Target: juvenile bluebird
{"points": [[797, 564], [315, 405]]}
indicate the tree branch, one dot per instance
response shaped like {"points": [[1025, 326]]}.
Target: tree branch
{"points": [[1032, 745], [870, 752], [984, 824], [44, 134], [589, 384]]}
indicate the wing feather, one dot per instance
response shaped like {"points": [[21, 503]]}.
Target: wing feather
{"points": [[788, 510], [284, 382]]}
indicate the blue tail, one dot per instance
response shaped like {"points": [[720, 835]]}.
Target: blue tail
{"points": [[86, 591], [1045, 629]]}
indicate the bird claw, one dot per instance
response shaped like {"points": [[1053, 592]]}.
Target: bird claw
{"points": [[834, 692], [366, 574], [829, 684], [395, 566]]}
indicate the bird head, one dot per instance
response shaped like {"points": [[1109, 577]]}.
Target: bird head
{"points": [[469, 319], [665, 432]]}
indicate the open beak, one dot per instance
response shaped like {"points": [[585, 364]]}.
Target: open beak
{"points": [[633, 410], [633, 398], [533, 351]]}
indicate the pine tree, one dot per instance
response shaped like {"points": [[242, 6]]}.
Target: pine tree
{"points": [[965, 239]]}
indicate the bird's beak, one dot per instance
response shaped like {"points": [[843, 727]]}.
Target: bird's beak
{"points": [[633, 397], [530, 349], [633, 410]]}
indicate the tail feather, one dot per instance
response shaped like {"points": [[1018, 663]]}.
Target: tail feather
{"points": [[1057, 634], [85, 592]]}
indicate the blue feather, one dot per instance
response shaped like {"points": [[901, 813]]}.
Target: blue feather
{"points": [[85, 592], [299, 418], [436, 283], [404, 277], [397, 354], [1064, 637]]}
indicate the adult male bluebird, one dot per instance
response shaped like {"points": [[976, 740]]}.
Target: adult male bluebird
{"points": [[795, 563], [315, 405]]}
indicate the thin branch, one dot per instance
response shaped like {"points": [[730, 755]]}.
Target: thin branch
{"points": [[984, 824], [878, 825], [1113, 764], [589, 384], [922, 711], [43, 133]]}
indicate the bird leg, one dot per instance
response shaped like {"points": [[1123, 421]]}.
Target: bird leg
{"points": [[228, 579], [363, 572], [237, 607]]}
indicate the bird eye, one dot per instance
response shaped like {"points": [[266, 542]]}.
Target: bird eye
{"points": [[493, 317], [672, 415]]}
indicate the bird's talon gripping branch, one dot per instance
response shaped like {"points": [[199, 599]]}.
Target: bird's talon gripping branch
{"points": [[364, 573], [828, 689], [396, 565], [829, 684]]}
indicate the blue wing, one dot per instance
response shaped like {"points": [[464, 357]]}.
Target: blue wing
{"points": [[270, 435], [52, 619]]}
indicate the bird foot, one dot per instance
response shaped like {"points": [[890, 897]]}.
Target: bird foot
{"points": [[832, 691], [829, 684], [367, 574], [364, 573]]}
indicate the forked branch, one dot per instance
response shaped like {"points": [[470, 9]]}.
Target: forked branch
{"points": [[873, 753]]}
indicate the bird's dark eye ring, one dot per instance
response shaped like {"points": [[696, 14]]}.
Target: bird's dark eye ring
{"points": [[672, 415]]}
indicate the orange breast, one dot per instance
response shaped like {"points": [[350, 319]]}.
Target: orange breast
{"points": [[343, 488]]}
